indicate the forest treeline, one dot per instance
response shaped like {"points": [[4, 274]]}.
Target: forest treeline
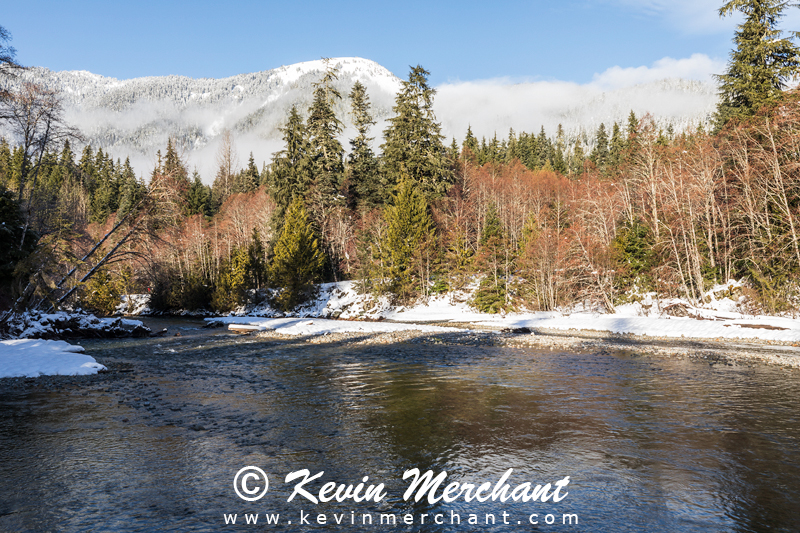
{"points": [[645, 212], [536, 222]]}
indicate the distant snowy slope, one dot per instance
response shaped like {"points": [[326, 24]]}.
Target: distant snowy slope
{"points": [[136, 117]]}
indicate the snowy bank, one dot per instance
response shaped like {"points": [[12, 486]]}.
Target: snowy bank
{"points": [[32, 358], [761, 327], [37, 325], [719, 317], [319, 326]]}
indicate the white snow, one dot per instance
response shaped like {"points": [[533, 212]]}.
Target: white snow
{"points": [[322, 326], [37, 357], [134, 304], [719, 317]]}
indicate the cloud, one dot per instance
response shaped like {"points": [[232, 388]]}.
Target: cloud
{"points": [[677, 91], [697, 67]]}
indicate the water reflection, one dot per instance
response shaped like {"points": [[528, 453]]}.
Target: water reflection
{"points": [[649, 444]]}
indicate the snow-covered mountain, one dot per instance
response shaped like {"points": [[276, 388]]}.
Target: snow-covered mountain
{"points": [[136, 117]]}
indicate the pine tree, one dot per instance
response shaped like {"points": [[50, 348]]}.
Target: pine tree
{"points": [[297, 261], [291, 173], [11, 229], [5, 162], [483, 153], [199, 199], [257, 269], [248, 179], [632, 129], [762, 63], [544, 150], [615, 152], [323, 129], [494, 259], [495, 154], [599, 155], [413, 143], [559, 160], [578, 158], [232, 282], [471, 143], [362, 166], [526, 146], [173, 166], [512, 152], [409, 224], [453, 153]]}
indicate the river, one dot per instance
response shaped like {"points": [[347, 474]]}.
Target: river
{"points": [[648, 444]]}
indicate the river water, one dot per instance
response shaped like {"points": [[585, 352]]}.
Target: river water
{"points": [[648, 444]]}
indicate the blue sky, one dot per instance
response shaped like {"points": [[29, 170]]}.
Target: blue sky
{"points": [[569, 40]]}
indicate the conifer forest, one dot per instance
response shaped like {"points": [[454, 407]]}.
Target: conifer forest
{"points": [[539, 220]]}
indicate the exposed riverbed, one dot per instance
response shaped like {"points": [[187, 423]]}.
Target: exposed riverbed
{"points": [[650, 443]]}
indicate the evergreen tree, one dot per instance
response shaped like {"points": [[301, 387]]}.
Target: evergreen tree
{"points": [[526, 146], [297, 261], [323, 129], [362, 165], [483, 152], [615, 152], [248, 179], [173, 166], [453, 153], [512, 152], [291, 173], [559, 160], [257, 269], [67, 158], [495, 154], [632, 129], [5, 162], [578, 158], [762, 63], [413, 142], [86, 168], [232, 282], [409, 225], [11, 230], [544, 151], [18, 166], [599, 155], [494, 259], [471, 143], [199, 200]]}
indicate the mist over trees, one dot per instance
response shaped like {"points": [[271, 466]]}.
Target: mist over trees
{"points": [[526, 219]]}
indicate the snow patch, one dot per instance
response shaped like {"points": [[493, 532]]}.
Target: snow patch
{"points": [[33, 358], [321, 326]]}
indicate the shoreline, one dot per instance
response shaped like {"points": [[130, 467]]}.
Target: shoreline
{"points": [[714, 351]]}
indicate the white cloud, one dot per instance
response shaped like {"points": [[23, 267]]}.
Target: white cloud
{"points": [[680, 91], [697, 67]]}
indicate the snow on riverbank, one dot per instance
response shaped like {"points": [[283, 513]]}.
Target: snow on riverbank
{"points": [[719, 317], [37, 325], [33, 358], [319, 326]]}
